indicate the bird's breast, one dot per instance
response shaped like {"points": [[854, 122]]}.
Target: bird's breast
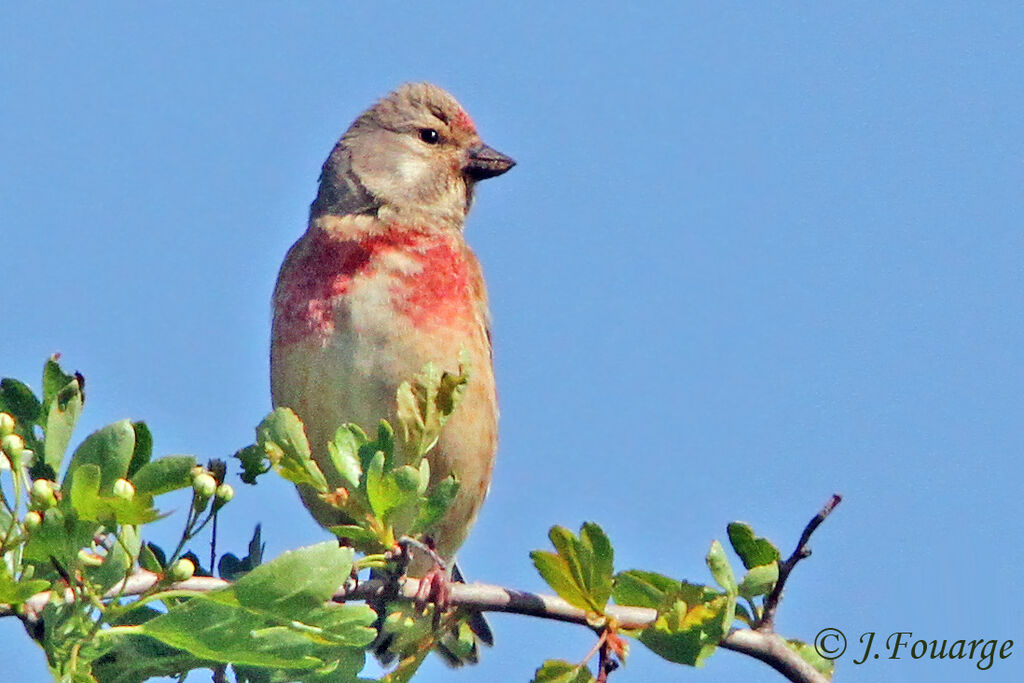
{"points": [[415, 279]]}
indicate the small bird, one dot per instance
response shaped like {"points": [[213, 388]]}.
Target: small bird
{"points": [[383, 282]]}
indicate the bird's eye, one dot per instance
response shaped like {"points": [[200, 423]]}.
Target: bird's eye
{"points": [[429, 136]]}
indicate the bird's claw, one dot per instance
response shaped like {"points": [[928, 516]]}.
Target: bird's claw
{"points": [[435, 589]]}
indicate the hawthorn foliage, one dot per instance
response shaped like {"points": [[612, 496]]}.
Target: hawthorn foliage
{"points": [[74, 541]]}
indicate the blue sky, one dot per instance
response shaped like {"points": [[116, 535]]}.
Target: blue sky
{"points": [[750, 256]]}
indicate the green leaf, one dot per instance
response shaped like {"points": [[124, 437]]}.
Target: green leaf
{"points": [[88, 502], [60, 536], [255, 548], [62, 399], [219, 632], [759, 580], [230, 567], [283, 439], [647, 589], [558, 671], [410, 415], [408, 634], [752, 550], [569, 549], [169, 473], [275, 616], [345, 625], [360, 537], [406, 478], [692, 619], [5, 525], [343, 450], [16, 592], [452, 387], [381, 491], [150, 560], [424, 475], [344, 669], [84, 492], [297, 581], [385, 442], [133, 658], [555, 571], [425, 403], [824, 666], [461, 644], [718, 563], [601, 559], [254, 462], [585, 562], [689, 633], [143, 450], [18, 400], [403, 516], [439, 498], [54, 379], [110, 449]]}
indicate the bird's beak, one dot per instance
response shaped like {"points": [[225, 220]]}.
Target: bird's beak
{"points": [[486, 162]]}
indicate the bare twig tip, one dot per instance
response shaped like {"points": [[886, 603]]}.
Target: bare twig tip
{"points": [[771, 603]]}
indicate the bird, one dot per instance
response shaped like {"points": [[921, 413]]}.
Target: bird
{"points": [[383, 282]]}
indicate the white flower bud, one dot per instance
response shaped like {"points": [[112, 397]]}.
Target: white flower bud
{"points": [[32, 520], [124, 489], [182, 570], [6, 424], [89, 559], [43, 493], [13, 445], [204, 485], [224, 494]]}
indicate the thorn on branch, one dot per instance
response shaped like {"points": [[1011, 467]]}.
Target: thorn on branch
{"points": [[771, 605]]}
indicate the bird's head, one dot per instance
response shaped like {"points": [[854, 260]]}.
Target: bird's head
{"points": [[416, 151]]}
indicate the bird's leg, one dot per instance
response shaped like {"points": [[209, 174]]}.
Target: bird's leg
{"points": [[435, 590], [435, 584]]}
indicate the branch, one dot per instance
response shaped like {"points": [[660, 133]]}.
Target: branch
{"points": [[761, 642], [772, 649], [771, 605], [767, 647], [134, 584]]}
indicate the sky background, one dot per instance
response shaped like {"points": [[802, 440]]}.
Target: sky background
{"points": [[750, 256]]}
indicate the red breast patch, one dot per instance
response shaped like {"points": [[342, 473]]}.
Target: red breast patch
{"points": [[435, 294]]}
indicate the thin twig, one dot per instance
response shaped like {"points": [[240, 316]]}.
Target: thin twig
{"points": [[213, 544], [593, 651], [771, 604], [605, 663]]}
